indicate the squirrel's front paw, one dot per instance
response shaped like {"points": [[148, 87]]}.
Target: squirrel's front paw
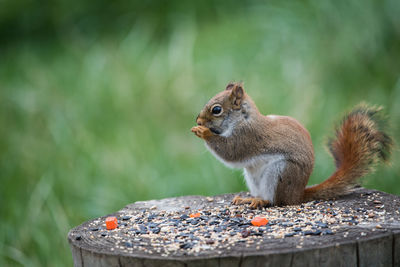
{"points": [[201, 131]]}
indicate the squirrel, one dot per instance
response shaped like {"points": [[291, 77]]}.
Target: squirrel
{"points": [[277, 154]]}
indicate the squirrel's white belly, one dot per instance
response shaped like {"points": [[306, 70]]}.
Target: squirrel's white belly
{"points": [[263, 174]]}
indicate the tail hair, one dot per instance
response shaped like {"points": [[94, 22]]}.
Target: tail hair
{"points": [[359, 144]]}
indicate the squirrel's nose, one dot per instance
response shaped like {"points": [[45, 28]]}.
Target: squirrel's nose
{"points": [[199, 121]]}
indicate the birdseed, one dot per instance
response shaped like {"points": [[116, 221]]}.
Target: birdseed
{"points": [[219, 226]]}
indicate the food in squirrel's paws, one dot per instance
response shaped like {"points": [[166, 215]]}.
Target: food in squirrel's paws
{"points": [[276, 152]]}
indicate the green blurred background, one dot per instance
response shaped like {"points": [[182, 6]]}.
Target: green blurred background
{"points": [[97, 99]]}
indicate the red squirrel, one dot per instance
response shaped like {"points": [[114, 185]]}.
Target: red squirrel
{"points": [[276, 152]]}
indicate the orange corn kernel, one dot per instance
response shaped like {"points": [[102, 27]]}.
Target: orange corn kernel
{"points": [[194, 215], [111, 223], [259, 221]]}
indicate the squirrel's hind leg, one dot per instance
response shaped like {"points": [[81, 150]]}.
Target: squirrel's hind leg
{"points": [[237, 200], [259, 203], [255, 202]]}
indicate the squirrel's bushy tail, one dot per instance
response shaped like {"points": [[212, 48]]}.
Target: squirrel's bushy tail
{"points": [[359, 144]]}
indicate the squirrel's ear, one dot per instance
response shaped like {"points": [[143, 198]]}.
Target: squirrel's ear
{"points": [[237, 95], [229, 86]]}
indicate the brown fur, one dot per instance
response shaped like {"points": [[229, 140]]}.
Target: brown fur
{"points": [[358, 143]]}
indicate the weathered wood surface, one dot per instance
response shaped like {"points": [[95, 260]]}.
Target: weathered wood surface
{"points": [[372, 242]]}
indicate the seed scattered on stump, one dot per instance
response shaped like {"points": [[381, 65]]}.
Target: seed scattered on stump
{"points": [[185, 245], [195, 215], [245, 233], [111, 223], [125, 218], [259, 221], [192, 230], [210, 241]]}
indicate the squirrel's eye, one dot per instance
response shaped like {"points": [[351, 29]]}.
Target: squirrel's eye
{"points": [[216, 110]]}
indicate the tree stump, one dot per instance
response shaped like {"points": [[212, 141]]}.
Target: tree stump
{"points": [[361, 229]]}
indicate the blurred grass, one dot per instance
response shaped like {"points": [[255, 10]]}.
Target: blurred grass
{"points": [[96, 108]]}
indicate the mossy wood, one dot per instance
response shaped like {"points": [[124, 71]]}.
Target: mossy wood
{"points": [[374, 240]]}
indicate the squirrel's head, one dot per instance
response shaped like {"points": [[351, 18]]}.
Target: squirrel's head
{"points": [[226, 110]]}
